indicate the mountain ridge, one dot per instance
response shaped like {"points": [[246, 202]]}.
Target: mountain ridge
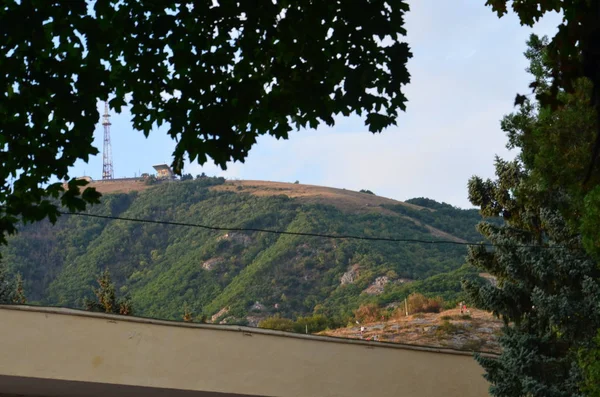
{"points": [[244, 275]]}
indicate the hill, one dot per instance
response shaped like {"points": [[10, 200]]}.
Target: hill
{"points": [[241, 277], [478, 331]]}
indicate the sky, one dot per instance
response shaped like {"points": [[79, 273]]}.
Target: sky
{"points": [[466, 69]]}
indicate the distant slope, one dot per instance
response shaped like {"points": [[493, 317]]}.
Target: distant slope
{"points": [[241, 276]]}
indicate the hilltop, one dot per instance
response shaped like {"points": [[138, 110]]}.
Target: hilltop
{"points": [[477, 331], [241, 277]]}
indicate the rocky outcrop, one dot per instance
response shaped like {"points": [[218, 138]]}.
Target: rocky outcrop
{"points": [[377, 287], [254, 320], [258, 307], [243, 239], [351, 275], [219, 314], [211, 263]]}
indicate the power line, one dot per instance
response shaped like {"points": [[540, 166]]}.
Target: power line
{"points": [[319, 235]]}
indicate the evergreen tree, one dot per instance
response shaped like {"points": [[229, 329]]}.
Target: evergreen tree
{"points": [[547, 292], [19, 292], [5, 287], [106, 299]]}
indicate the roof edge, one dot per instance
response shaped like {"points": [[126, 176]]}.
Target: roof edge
{"points": [[237, 328]]}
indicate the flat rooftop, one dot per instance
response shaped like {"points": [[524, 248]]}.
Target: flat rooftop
{"points": [[63, 352]]}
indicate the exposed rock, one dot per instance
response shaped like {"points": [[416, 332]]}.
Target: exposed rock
{"points": [[257, 306], [351, 275], [227, 320], [244, 239], [254, 320], [378, 286], [211, 263], [220, 313]]}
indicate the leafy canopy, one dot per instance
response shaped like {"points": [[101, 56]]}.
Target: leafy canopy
{"points": [[219, 73], [572, 53]]}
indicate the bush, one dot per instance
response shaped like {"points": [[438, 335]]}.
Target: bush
{"points": [[418, 303], [151, 180], [314, 323], [277, 323], [368, 313], [366, 191], [447, 328]]}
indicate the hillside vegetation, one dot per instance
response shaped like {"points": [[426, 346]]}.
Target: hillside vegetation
{"points": [[243, 277]]}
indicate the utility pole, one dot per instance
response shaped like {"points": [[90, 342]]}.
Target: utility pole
{"points": [[107, 164]]}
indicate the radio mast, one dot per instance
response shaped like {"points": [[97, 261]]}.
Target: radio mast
{"points": [[107, 164]]}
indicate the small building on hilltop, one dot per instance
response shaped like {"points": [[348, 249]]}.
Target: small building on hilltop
{"points": [[163, 171]]}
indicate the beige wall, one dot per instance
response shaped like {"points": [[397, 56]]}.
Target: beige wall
{"points": [[70, 345]]}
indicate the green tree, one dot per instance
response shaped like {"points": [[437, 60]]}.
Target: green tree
{"points": [[11, 291], [5, 286], [573, 53], [547, 288], [19, 292], [589, 360], [106, 299], [547, 292], [193, 65]]}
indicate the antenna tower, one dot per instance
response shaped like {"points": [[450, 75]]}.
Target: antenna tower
{"points": [[107, 164]]}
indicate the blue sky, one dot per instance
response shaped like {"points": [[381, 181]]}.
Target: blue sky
{"points": [[466, 69]]}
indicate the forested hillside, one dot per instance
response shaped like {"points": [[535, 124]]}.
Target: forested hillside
{"points": [[246, 276]]}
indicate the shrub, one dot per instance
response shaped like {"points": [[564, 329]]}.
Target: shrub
{"points": [[447, 328], [418, 303], [151, 180], [277, 323], [314, 323], [368, 313], [446, 317], [366, 191]]}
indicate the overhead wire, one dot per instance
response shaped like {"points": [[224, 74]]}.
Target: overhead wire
{"points": [[307, 234]]}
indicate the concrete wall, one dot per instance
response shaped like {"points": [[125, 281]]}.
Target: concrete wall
{"points": [[83, 349]]}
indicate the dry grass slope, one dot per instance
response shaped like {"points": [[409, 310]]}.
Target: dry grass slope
{"points": [[477, 332], [345, 200]]}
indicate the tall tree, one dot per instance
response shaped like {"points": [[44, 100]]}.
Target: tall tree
{"points": [[219, 73], [19, 292], [548, 291], [11, 291], [106, 299], [5, 286], [573, 53]]}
